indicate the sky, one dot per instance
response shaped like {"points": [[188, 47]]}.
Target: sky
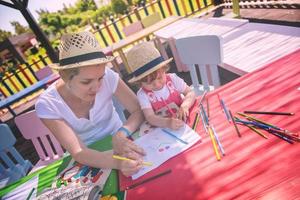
{"points": [[8, 14]]}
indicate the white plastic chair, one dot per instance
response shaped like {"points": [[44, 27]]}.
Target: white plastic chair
{"points": [[206, 51]]}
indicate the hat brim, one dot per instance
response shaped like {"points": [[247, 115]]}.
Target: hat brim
{"points": [[160, 65], [105, 60]]}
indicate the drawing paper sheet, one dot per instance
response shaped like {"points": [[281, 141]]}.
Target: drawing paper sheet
{"points": [[22, 191], [160, 146]]}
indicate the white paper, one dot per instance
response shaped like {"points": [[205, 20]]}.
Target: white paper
{"points": [[160, 146], [22, 191]]}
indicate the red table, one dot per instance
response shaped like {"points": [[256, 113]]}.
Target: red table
{"points": [[254, 167]]}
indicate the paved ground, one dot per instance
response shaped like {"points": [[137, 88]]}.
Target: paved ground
{"points": [[283, 14]]}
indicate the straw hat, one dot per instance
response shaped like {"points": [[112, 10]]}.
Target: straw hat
{"points": [[144, 59], [79, 49]]}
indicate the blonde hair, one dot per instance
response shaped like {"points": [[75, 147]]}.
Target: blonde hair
{"points": [[68, 74]]}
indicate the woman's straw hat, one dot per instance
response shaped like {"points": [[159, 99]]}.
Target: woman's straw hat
{"points": [[79, 49], [144, 59]]}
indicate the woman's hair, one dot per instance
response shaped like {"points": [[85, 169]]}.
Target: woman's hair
{"points": [[68, 74], [153, 75]]}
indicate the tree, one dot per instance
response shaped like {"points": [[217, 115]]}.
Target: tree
{"points": [[51, 22], [139, 2], [19, 28], [4, 35], [85, 5], [119, 6]]}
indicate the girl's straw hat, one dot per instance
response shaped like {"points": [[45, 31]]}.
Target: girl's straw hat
{"points": [[144, 59], [79, 49]]}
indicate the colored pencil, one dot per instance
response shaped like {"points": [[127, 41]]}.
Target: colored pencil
{"points": [[203, 96], [223, 106], [257, 131], [214, 143], [234, 123], [258, 120], [148, 179], [281, 134], [204, 114], [174, 136], [282, 137], [253, 123], [30, 194], [207, 107], [218, 141], [291, 136], [196, 121], [268, 113], [203, 122], [128, 159]]}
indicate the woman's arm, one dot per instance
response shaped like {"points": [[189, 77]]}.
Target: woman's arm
{"points": [[129, 100], [70, 141], [121, 144], [188, 101]]}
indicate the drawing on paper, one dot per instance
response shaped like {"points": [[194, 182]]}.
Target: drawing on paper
{"points": [[78, 174]]}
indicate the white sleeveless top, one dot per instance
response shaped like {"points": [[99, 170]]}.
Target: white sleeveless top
{"points": [[103, 118]]}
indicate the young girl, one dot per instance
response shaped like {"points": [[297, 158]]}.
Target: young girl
{"points": [[164, 97]]}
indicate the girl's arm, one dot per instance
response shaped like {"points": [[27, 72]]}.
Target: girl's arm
{"points": [[162, 122], [70, 141], [121, 144], [188, 101]]}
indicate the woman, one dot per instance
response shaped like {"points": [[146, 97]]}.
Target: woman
{"points": [[78, 108]]}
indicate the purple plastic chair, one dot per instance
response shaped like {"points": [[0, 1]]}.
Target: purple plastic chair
{"points": [[133, 28], [44, 142], [43, 73]]}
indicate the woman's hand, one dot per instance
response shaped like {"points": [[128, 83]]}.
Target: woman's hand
{"points": [[174, 123], [183, 113], [131, 167], [125, 147]]}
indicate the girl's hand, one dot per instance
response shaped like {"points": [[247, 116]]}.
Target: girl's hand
{"points": [[123, 146], [183, 113], [131, 167], [174, 123]]}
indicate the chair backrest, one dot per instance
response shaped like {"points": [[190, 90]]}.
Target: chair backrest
{"points": [[132, 28], [151, 19], [7, 149], [206, 51], [43, 73], [44, 142]]}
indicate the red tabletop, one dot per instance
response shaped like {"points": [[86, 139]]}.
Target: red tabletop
{"points": [[254, 167]]}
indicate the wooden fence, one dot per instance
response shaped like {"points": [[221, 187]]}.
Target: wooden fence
{"points": [[107, 33]]}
